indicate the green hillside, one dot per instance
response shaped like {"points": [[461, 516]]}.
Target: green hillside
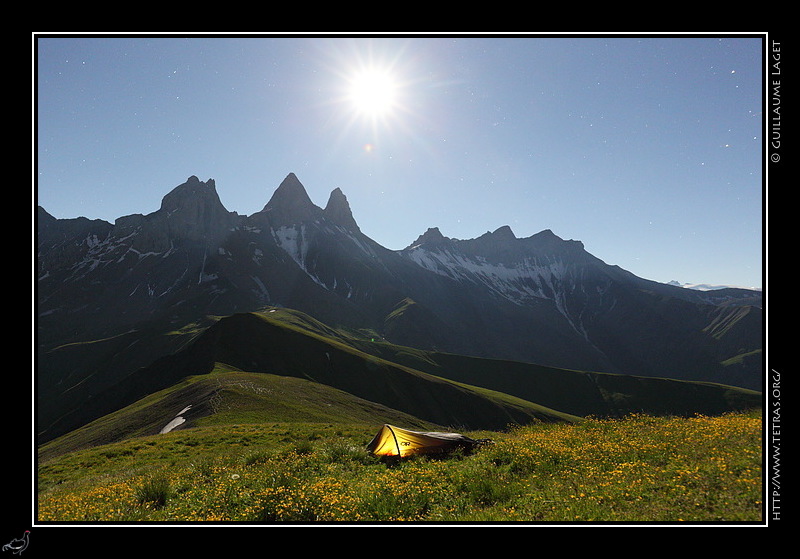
{"points": [[290, 344], [579, 393], [281, 365], [225, 398]]}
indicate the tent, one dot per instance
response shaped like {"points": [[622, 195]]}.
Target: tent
{"points": [[394, 441]]}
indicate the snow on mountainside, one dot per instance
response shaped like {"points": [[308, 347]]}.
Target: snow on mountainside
{"points": [[298, 240], [518, 280], [709, 287], [522, 270]]}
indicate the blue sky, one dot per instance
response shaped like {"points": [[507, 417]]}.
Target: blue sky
{"points": [[646, 149]]}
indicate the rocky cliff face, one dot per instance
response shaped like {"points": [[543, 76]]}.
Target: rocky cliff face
{"points": [[190, 213]]}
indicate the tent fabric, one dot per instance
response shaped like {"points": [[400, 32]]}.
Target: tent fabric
{"points": [[394, 441]]}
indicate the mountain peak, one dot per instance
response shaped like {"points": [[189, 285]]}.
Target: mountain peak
{"points": [[290, 194], [432, 237], [192, 192], [338, 210], [191, 212], [546, 238], [504, 233], [499, 237], [290, 201]]}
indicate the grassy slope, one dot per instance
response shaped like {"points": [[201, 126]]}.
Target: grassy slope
{"points": [[226, 398], [228, 395], [579, 393], [585, 393], [409, 382], [292, 344]]}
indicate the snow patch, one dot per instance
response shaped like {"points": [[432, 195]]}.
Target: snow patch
{"points": [[178, 420], [294, 241]]}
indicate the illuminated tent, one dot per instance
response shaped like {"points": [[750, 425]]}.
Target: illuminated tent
{"points": [[394, 441]]}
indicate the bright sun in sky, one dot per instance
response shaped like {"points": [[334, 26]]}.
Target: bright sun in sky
{"points": [[373, 93]]}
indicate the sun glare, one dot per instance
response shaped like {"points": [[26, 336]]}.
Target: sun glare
{"points": [[373, 93]]}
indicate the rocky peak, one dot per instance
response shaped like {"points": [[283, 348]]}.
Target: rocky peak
{"points": [[338, 211], [549, 241], [290, 203], [192, 193], [194, 210], [503, 233], [191, 212], [430, 238]]}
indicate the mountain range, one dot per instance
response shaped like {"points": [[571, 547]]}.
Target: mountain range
{"points": [[129, 308], [708, 286]]}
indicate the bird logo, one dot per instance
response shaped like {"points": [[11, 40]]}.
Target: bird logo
{"points": [[18, 545]]}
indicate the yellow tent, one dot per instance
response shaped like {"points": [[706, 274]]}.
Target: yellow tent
{"points": [[394, 441]]}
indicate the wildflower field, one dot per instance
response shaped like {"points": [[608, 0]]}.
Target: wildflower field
{"points": [[637, 469]]}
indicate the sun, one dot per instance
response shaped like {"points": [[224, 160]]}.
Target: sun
{"points": [[370, 92], [373, 93]]}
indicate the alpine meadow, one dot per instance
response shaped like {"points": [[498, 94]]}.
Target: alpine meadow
{"points": [[455, 281]]}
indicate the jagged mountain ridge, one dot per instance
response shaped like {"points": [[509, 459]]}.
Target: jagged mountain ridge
{"points": [[542, 266], [540, 299], [545, 267], [160, 264], [321, 242]]}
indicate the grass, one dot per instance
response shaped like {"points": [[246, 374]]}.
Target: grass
{"points": [[236, 398], [636, 469]]}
